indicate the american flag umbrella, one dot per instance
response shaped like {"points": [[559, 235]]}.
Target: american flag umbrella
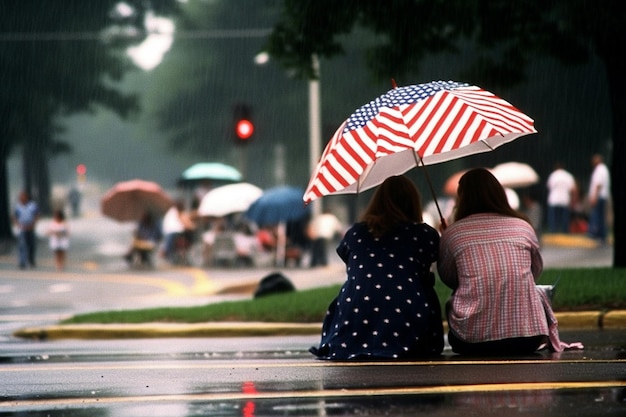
{"points": [[410, 126]]}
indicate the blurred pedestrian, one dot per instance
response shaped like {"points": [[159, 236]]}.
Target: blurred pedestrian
{"points": [[75, 196], [146, 238], [58, 238], [387, 308], [561, 186], [178, 230], [322, 230], [599, 191], [533, 210], [25, 217], [579, 218]]}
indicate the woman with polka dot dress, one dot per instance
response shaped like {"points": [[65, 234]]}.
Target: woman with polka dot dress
{"points": [[387, 308]]}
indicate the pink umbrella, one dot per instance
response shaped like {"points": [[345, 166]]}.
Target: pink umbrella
{"points": [[129, 200], [452, 183]]}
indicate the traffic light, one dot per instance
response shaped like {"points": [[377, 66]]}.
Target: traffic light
{"points": [[243, 125], [244, 129], [81, 169], [81, 172]]}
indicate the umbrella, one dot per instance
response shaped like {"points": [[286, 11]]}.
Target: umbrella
{"points": [[228, 199], [129, 200], [211, 171], [410, 126], [515, 174], [512, 198], [452, 183], [278, 205]]}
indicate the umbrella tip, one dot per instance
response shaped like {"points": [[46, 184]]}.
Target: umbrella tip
{"points": [[393, 83]]}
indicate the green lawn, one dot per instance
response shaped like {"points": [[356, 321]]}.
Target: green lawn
{"points": [[578, 289]]}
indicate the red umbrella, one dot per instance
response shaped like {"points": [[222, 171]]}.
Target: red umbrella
{"points": [[410, 126], [129, 200]]}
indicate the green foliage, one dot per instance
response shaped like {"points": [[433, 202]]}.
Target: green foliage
{"points": [[211, 68], [578, 289], [503, 36], [499, 40], [58, 58]]}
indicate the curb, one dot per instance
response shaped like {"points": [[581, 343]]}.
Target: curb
{"points": [[614, 320], [567, 320], [163, 330]]}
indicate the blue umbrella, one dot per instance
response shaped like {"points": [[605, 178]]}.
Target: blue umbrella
{"points": [[211, 171], [277, 205]]}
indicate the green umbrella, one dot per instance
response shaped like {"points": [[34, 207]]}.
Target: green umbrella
{"points": [[211, 171]]}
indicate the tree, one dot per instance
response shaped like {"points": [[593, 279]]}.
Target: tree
{"points": [[497, 38], [58, 58], [210, 70]]}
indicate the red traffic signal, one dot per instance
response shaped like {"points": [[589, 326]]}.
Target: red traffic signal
{"points": [[242, 123], [81, 169], [244, 129]]}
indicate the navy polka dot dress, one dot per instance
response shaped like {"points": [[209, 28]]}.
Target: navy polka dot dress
{"points": [[387, 308]]}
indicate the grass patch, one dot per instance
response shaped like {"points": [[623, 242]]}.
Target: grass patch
{"points": [[578, 289], [308, 306]]}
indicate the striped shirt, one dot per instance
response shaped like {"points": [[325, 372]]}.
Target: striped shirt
{"points": [[491, 262]]}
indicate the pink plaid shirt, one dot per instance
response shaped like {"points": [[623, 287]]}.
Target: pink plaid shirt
{"points": [[491, 262]]}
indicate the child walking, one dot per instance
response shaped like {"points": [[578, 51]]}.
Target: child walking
{"points": [[59, 241]]}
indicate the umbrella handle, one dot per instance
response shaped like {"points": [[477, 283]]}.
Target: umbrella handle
{"points": [[444, 225]]}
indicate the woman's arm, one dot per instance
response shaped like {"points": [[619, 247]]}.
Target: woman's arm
{"points": [[446, 265]]}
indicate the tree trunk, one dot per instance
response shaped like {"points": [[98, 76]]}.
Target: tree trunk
{"points": [[27, 170], [6, 233], [41, 176], [35, 172], [615, 70]]}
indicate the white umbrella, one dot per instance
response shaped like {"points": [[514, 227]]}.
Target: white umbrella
{"points": [[512, 198], [515, 174], [228, 199]]}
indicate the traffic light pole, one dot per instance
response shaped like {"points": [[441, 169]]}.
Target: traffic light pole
{"points": [[315, 124], [242, 156]]}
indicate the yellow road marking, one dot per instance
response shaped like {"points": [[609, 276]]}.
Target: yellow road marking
{"points": [[202, 283], [47, 367], [322, 393]]}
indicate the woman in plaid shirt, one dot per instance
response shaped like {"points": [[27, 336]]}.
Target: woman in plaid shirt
{"points": [[490, 257]]}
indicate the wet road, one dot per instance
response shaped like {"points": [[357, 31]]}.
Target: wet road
{"points": [[272, 376]]}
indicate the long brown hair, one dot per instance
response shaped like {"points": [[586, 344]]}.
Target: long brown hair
{"points": [[480, 192], [396, 201]]}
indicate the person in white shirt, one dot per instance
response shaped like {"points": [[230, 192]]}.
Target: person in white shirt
{"points": [[321, 231], [561, 185], [599, 191]]}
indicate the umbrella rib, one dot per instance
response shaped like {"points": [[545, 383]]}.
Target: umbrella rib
{"points": [[487, 145]]}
